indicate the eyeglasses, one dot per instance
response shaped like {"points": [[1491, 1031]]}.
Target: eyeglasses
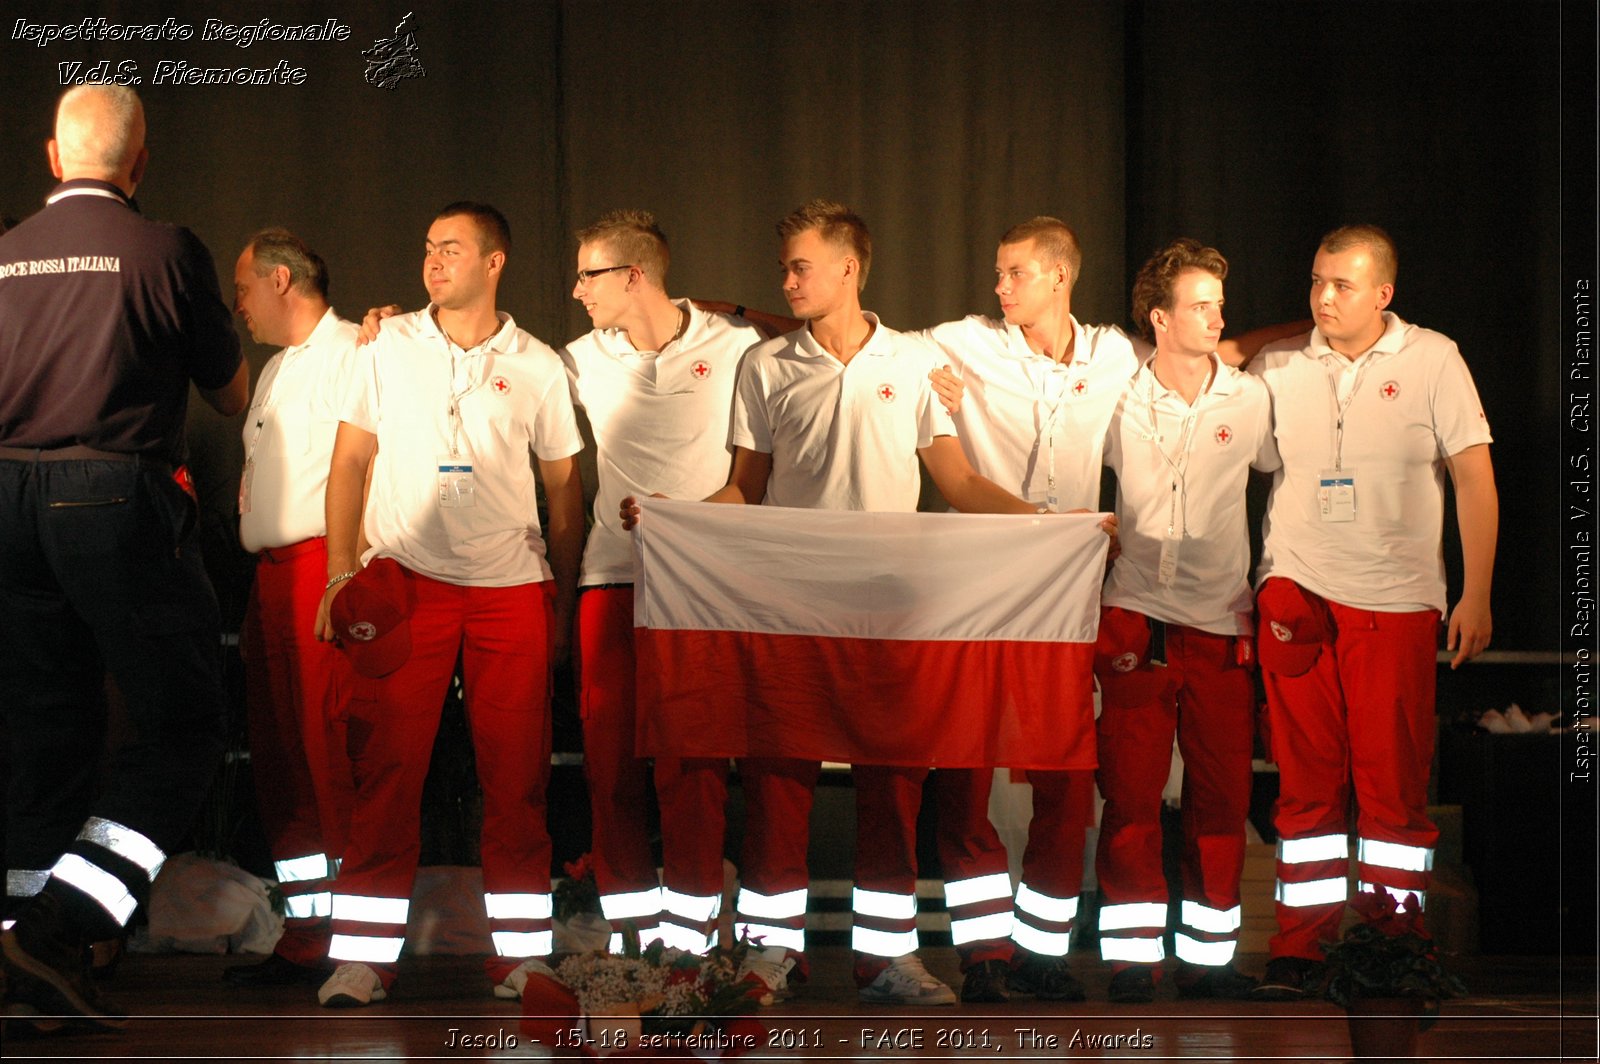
{"points": [[585, 276]]}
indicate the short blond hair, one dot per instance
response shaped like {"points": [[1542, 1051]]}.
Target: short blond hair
{"points": [[838, 225], [1385, 259], [1055, 243], [635, 238]]}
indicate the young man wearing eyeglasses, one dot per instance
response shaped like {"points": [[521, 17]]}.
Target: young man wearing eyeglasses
{"points": [[656, 379]]}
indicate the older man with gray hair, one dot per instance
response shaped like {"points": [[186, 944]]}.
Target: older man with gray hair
{"points": [[105, 319]]}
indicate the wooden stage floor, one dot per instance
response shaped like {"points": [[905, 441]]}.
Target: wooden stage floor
{"points": [[1520, 1009]]}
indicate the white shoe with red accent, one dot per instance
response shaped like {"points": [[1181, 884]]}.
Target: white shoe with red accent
{"points": [[907, 982], [767, 972], [351, 986], [511, 987]]}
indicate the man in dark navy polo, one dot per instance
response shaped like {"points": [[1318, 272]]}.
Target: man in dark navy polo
{"points": [[105, 319]]}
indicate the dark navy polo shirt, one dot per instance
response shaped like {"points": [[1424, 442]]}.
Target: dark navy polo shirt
{"points": [[105, 318]]}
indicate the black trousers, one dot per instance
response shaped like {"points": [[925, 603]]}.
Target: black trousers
{"points": [[97, 573]]}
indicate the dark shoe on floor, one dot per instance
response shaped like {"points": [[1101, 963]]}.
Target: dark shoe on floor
{"points": [[44, 967], [1290, 979], [1133, 986], [985, 983], [1046, 978], [105, 957], [276, 970], [1224, 981]]}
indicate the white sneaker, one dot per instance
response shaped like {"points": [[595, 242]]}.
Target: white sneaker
{"points": [[351, 986], [767, 972], [907, 982], [511, 986]]}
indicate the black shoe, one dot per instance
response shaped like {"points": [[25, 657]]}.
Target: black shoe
{"points": [[1135, 985], [1046, 978], [985, 983], [1224, 981], [45, 971], [276, 970], [1290, 979]]}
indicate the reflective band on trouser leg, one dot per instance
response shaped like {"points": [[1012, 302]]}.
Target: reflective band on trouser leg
{"points": [[1311, 870], [22, 883], [885, 923], [772, 919], [1133, 950], [301, 869], [1315, 892], [1141, 925], [304, 881], [519, 924], [369, 930], [1043, 924], [25, 882], [125, 843], [641, 907], [106, 889], [979, 908], [1208, 935], [1398, 868], [1195, 951], [1313, 849], [689, 920]]}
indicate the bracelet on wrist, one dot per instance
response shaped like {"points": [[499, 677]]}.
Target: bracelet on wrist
{"points": [[341, 578]]}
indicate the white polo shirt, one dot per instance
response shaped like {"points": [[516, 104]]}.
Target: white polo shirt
{"points": [[1411, 403], [1025, 413], [841, 437], [288, 437], [660, 421], [513, 403], [1181, 473]]}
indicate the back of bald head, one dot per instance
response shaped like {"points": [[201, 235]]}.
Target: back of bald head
{"points": [[100, 133]]}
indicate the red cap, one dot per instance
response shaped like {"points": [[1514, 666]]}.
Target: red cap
{"points": [[1122, 659], [1294, 625], [371, 618]]}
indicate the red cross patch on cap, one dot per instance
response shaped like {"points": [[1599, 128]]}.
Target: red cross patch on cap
{"points": [[1294, 624], [371, 618]]}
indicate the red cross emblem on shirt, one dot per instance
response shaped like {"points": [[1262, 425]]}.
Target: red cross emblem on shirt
{"points": [[1390, 389], [1224, 435], [501, 385], [700, 370], [886, 392], [1079, 387]]}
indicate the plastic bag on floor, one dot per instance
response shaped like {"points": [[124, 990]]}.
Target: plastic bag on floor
{"points": [[198, 905]]}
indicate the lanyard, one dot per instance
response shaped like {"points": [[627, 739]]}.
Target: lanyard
{"points": [[465, 375], [1047, 432], [267, 387], [1178, 501], [1340, 406]]}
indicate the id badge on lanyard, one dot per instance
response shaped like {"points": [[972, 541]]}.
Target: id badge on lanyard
{"points": [[1336, 495], [456, 485]]}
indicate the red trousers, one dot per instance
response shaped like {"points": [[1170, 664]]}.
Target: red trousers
{"points": [[1205, 697], [972, 855], [502, 635], [1362, 719], [619, 781], [297, 693]]}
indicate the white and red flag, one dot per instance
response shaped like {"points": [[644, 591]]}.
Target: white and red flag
{"points": [[946, 640]]}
